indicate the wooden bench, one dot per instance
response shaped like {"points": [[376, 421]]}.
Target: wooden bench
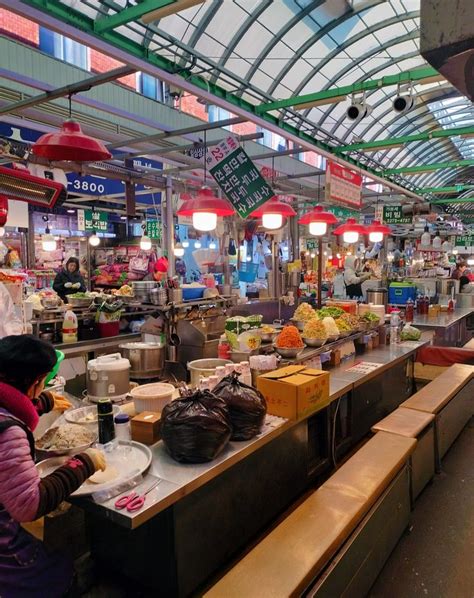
{"points": [[419, 425], [451, 399], [339, 538]]}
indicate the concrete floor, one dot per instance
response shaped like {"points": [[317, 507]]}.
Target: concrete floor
{"points": [[436, 556]]}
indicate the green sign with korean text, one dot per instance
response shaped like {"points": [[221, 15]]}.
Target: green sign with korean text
{"points": [[311, 244], [464, 241], [343, 213], [237, 176], [395, 215], [153, 229], [92, 220]]}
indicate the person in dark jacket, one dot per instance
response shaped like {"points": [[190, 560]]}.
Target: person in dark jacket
{"points": [[69, 280], [27, 569]]}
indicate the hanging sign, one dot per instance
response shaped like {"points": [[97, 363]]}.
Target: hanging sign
{"points": [[90, 220], [395, 215], [153, 229], [343, 185], [464, 240], [237, 176], [343, 213]]}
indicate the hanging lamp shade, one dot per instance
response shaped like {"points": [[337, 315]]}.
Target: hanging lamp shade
{"points": [[272, 213], [204, 209], [318, 220], [350, 230], [70, 144], [377, 230], [3, 209]]}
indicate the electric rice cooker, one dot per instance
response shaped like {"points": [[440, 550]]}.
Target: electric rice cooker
{"points": [[108, 377]]}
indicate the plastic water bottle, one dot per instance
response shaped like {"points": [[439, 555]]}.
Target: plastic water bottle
{"points": [[395, 328]]}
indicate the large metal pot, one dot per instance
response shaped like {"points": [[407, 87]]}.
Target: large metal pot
{"points": [[203, 368], [159, 296], [377, 296], [147, 360], [108, 377], [142, 288]]}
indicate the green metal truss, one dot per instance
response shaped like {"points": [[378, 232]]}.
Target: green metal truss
{"points": [[446, 190], [398, 141], [132, 13], [338, 92], [429, 167], [456, 200], [85, 23]]}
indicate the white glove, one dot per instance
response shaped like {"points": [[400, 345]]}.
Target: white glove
{"points": [[76, 285], [68, 285]]}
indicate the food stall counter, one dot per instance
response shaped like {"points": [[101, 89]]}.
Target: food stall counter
{"points": [[90, 346], [443, 319], [450, 328]]}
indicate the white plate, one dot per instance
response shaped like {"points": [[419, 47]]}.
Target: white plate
{"points": [[125, 462], [74, 415]]}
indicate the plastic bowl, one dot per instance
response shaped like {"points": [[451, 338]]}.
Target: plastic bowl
{"points": [[152, 397]]}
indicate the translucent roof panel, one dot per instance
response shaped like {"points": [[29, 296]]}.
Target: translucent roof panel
{"points": [[267, 50]]}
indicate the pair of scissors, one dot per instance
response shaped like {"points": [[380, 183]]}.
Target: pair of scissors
{"points": [[134, 502]]}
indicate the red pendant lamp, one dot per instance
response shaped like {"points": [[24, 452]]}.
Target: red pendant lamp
{"points": [[273, 212], [318, 221], [204, 209], [70, 144], [350, 230], [377, 230]]}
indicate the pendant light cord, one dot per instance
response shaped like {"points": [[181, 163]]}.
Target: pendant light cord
{"points": [[70, 105]]}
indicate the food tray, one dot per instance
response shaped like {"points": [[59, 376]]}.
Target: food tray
{"points": [[127, 463], [45, 453], [76, 302], [72, 416]]}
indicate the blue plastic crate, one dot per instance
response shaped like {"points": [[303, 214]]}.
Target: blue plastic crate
{"points": [[248, 272], [400, 292]]}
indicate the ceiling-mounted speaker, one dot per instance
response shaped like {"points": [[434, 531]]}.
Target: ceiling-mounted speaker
{"points": [[21, 185], [358, 109], [403, 103]]}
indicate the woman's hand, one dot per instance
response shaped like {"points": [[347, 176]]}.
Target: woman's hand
{"points": [[97, 457], [60, 403]]}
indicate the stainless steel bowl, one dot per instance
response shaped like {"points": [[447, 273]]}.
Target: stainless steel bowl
{"points": [[344, 333], [47, 453], [290, 353], [268, 337], [79, 302], [333, 337], [300, 324], [314, 342]]}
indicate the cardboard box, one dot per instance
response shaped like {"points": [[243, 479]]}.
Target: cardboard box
{"points": [[294, 391], [145, 427]]}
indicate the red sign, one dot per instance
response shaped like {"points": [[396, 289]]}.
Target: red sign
{"points": [[343, 185]]}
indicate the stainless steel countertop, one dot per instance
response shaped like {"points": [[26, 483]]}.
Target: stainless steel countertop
{"points": [[96, 344], [179, 480], [444, 319]]}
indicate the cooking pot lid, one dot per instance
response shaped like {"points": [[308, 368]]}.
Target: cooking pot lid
{"points": [[109, 363]]}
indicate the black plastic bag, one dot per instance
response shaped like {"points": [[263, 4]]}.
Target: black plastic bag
{"points": [[247, 406], [195, 428]]}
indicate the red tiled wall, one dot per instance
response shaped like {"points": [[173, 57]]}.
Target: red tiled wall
{"points": [[19, 27], [190, 105], [101, 63]]}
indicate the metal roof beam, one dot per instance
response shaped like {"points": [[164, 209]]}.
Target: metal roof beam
{"points": [[67, 90], [447, 190], [455, 200], [147, 10], [429, 167], [177, 132], [329, 96], [390, 142]]}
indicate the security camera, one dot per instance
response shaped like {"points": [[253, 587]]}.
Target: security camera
{"points": [[404, 100], [358, 109]]}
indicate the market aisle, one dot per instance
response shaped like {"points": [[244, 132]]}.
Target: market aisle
{"points": [[437, 558]]}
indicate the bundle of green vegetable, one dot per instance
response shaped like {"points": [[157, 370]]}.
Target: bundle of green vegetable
{"points": [[410, 333], [371, 317], [330, 312]]}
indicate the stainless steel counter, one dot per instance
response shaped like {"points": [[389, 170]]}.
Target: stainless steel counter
{"points": [[444, 319], [179, 480], [89, 346]]}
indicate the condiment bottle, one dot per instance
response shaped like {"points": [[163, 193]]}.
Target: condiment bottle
{"points": [[409, 311], [123, 431], [105, 412], [70, 327], [223, 348]]}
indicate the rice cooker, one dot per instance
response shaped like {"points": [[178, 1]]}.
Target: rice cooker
{"points": [[108, 377]]}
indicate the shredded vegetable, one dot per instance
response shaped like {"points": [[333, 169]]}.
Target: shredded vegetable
{"points": [[352, 320], [331, 326], [315, 329], [289, 338], [370, 317], [330, 312], [304, 312], [342, 325]]}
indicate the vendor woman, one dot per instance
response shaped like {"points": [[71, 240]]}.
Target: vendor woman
{"points": [[354, 277], [26, 568], [69, 280]]}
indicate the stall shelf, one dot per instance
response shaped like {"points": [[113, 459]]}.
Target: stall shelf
{"points": [[200, 516]]}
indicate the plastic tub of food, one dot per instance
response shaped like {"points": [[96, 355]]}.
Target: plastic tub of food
{"points": [[191, 293], [152, 397]]}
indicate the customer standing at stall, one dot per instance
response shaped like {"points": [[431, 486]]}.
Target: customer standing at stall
{"points": [[69, 280], [459, 270], [353, 277], [26, 569]]}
